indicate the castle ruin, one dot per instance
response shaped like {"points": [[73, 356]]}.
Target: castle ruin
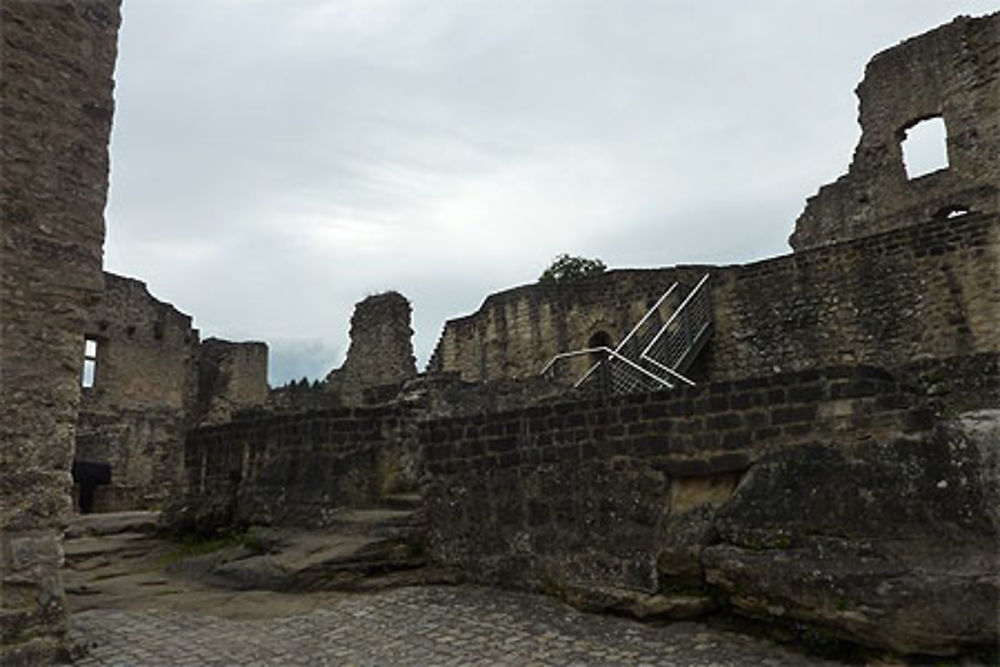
{"points": [[835, 466]]}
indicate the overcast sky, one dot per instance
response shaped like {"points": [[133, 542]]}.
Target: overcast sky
{"points": [[275, 161]]}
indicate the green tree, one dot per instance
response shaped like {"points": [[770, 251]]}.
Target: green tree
{"points": [[565, 269]]}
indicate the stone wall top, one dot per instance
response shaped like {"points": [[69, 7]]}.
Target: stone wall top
{"points": [[951, 73]]}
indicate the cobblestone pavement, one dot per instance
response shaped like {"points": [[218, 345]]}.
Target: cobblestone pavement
{"points": [[462, 625]]}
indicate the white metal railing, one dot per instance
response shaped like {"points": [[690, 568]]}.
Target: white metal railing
{"points": [[654, 352], [675, 344], [612, 354], [640, 334]]}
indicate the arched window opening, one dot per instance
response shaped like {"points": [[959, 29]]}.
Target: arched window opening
{"points": [[599, 339], [925, 147]]}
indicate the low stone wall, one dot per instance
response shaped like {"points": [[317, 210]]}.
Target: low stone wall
{"points": [[294, 470], [577, 491], [828, 496], [833, 496]]}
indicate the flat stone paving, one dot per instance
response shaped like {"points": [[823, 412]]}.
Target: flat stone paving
{"points": [[428, 625]]}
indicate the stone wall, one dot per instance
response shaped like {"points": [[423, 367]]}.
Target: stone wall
{"points": [[900, 269], [295, 470], [57, 60], [231, 377], [581, 487], [381, 351], [827, 496], [152, 381], [794, 497], [952, 72], [135, 414], [146, 350], [516, 332], [927, 291]]}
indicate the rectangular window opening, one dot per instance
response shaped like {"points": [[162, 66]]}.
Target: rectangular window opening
{"points": [[89, 363], [925, 147]]}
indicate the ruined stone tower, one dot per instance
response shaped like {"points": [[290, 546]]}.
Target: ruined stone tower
{"points": [[381, 351], [951, 73], [57, 59]]}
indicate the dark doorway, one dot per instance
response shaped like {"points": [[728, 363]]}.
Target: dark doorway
{"points": [[599, 339], [88, 475]]}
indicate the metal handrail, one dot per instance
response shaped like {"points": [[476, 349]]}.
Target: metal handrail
{"points": [[609, 352], [628, 337], [677, 313], [649, 313], [674, 343], [671, 371]]}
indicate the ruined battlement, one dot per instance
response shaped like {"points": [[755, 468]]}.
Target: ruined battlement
{"points": [[231, 377], [835, 466], [381, 350], [515, 332], [951, 73], [928, 290], [145, 349], [147, 380]]}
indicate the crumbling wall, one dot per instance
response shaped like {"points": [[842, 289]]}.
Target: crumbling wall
{"points": [[952, 72], [381, 351], [295, 470], [231, 377], [830, 496], [516, 332], [794, 496], [927, 291], [134, 415], [57, 60], [151, 382]]}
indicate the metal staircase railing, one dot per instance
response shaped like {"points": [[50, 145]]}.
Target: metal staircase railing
{"points": [[678, 342], [655, 353]]}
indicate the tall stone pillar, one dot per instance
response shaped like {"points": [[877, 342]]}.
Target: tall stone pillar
{"points": [[56, 63], [381, 351]]}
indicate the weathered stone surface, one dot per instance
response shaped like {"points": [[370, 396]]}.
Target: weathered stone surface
{"points": [[295, 470], [909, 605], [925, 292], [57, 59], [232, 377], [834, 498], [153, 381], [381, 351], [953, 72], [112, 524], [319, 560], [638, 604], [689, 526], [890, 543]]}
